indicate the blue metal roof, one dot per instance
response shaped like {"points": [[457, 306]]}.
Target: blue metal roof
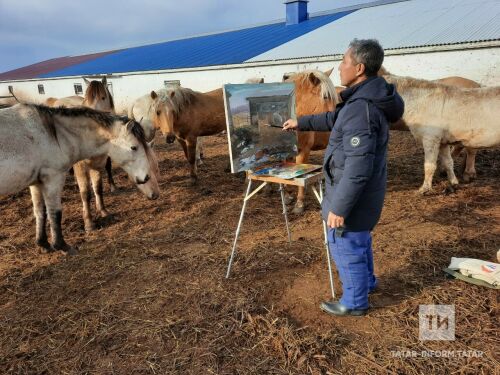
{"points": [[230, 47]]}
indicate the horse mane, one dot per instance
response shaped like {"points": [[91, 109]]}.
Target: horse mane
{"points": [[328, 91], [103, 119], [181, 98], [98, 89]]}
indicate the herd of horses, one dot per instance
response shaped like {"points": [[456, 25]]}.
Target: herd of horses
{"points": [[40, 143]]}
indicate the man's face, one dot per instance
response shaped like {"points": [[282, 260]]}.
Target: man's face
{"points": [[350, 70]]}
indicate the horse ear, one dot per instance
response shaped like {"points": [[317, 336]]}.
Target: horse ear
{"points": [[314, 80], [154, 95], [329, 72], [87, 82], [104, 80], [261, 80], [285, 76], [130, 125]]}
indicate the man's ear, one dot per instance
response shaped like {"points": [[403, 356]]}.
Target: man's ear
{"points": [[360, 69]]}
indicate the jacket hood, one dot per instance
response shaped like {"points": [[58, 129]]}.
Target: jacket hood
{"points": [[380, 93]]}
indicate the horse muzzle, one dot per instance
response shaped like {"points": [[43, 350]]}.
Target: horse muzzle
{"points": [[170, 138]]}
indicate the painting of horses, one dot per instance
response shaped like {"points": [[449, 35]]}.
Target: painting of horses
{"points": [[255, 114]]}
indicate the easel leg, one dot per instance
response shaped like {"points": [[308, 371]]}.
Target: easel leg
{"points": [[325, 233], [238, 229], [285, 213]]}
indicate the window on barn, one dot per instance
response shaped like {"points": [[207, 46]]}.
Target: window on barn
{"points": [[78, 88], [41, 90], [173, 83]]}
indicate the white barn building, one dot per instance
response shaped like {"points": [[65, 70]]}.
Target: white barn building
{"points": [[423, 38]]}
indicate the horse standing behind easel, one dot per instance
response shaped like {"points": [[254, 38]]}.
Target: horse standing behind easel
{"points": [[39, 144], [191, 114], [314, 93]]}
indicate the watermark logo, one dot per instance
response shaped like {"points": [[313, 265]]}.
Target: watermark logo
{"points": [[436, 322]]}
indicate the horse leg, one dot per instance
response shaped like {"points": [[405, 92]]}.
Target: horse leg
{"points": [[96, 178], [301, 158], [83, 181], [109, 172], [199, 151], [184, 147], [51, 190], [40, 216], [191, 153], [447, 162], [470, 164], [431, 152]]}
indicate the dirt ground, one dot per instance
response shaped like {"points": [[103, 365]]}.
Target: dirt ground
{"points": [[147, 293]]}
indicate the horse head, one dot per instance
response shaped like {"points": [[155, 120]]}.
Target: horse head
{"points": [[313, 90], [162, 114], [130, 151], [97, 96]]}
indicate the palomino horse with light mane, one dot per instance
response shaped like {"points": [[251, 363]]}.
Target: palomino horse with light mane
{"points": [[191, 114], [151, 112], [440, 115], [39, 144], [89, 172], [314, 93]]}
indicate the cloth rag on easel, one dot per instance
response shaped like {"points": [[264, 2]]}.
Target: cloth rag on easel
{"points": [[475, 271]]}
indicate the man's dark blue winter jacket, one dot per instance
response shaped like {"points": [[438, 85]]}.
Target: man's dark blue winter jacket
{"points": [[355, 163]]}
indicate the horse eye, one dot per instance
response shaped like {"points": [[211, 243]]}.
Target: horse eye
{"points": [[158, 113], [103, 98], [133, 148]]}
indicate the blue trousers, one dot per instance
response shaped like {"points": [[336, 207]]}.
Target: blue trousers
{"points": [[353, 256]]}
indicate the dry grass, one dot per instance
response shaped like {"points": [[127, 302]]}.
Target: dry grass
{"points": [[147, 294]]}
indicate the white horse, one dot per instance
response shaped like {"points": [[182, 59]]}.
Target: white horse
{"points": [[439, 115], [38, 145]]}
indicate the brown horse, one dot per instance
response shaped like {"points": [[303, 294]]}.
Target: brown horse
{"points": [[191, 114], [314, 93], [89, 171]]}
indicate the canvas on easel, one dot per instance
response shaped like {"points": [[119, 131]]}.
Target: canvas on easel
{"points": [[255, 114]]}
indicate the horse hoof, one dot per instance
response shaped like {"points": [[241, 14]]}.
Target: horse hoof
{"points": [[469, 177], [298, 210], [44, 246], [90, 227], [424, 191], [70, 250], [104, 214], [450, 189]]}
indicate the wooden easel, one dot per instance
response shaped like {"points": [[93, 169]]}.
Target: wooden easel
{"points": [[309, 179]]}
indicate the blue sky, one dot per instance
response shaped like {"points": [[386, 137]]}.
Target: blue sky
{"points": [[35, 30]]}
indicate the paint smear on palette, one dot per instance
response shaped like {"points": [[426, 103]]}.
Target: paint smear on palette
{"points": [[286, 170]]}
